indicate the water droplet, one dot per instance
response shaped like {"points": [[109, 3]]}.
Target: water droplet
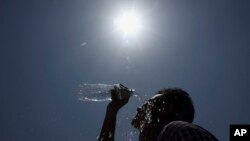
{"points": [[110, 134], [158, 120]]}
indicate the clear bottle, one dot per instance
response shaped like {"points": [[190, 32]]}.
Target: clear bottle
{"points": [[99, 92]]}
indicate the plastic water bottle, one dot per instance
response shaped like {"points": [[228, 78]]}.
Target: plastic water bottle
{"points": [[99, 92]]}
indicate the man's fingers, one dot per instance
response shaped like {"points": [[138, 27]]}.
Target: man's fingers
{"points": [[113, 94]]}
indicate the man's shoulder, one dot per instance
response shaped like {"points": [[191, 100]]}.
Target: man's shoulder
{"points": [[181, 130], [179, 124]]}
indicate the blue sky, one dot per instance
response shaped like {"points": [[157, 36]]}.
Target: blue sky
{"points": [[200, 46]]}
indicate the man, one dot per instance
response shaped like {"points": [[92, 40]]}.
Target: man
{"points": [[167, 116]]}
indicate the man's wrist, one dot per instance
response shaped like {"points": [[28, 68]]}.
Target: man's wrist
{"points": [[112, 108]]}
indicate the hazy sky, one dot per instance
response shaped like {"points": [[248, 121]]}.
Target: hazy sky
{"points": [[49, 47]]}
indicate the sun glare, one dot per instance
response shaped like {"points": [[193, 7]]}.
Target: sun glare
{"points": [[128, 23]]}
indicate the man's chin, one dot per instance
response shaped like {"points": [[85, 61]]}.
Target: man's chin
{"points": [[135, 123]]}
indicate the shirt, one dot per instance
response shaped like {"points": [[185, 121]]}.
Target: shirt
{"points": [[184, 131]]}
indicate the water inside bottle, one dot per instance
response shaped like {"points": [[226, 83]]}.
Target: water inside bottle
{"points": [[98, 92], [94, 92]]}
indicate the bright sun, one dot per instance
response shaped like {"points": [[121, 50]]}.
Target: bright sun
{"points": [[128, 23]]}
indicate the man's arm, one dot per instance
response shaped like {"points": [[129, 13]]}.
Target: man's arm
{"points": [[109, 123]]}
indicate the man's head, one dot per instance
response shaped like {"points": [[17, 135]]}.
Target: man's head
{"points": [[167, 105]]}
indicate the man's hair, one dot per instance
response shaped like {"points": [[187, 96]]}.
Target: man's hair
{"points": [[178, 105]]}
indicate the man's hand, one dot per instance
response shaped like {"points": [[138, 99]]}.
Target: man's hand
{"points": [[120, 97]]}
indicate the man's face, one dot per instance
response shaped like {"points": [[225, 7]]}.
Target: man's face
{"points": [[143, 116]]}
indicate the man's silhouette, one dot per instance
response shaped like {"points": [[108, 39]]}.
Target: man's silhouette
{"points": [[167, 116]]}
